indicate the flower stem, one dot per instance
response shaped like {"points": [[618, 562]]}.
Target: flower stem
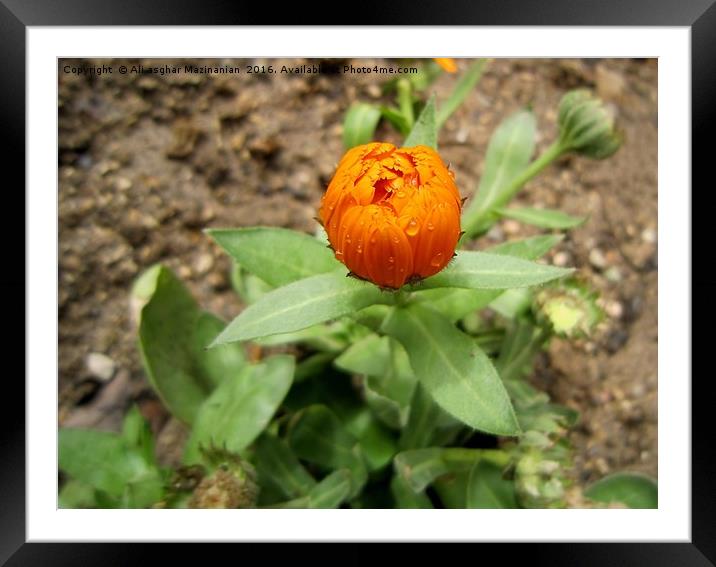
{"points": [[405, 102]]}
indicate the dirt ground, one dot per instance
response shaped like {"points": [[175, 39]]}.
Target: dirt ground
{"points": [[147, 162]]}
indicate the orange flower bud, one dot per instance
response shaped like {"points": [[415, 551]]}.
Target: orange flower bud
{"points": [[392, 215], [448, 64]]}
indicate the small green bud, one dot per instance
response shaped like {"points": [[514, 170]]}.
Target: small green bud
{"points": [[586, 126], [569, 307]]}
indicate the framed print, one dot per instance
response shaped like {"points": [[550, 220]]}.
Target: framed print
{"points": [[432, 288]]}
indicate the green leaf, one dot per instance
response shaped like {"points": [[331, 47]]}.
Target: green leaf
{"points": [[396, 118], [107, 463], [330, 338], [528, 248], [631, 489], [452, 489], [317, 436], [423, 420], [215, 364], [370, 356], [466, 83], [377, 444], [508, 154], [246, 285], [301, 304], [313, 365], [277, 467], [276, 255], [453, 369], [173, 334], [138, 434], [456, 303], [487, 489], [405, 497], [360, 123], [522, 342], [76, 494], [425, 130], [481, 270], [329, 493], [542, 218], [241, 407]]}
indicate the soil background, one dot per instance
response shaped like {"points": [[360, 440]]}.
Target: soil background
{"points": [[146, 162]]}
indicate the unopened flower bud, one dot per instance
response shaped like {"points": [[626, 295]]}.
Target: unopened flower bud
{"points": [[586, 126], [392, 215], [231, 485]]}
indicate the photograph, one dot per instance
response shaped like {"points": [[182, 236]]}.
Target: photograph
{"points": [[358, 283]]}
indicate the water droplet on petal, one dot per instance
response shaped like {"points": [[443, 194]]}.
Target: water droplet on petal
{"points": [[348, 238], [391, 259], [412, 228], [373, 240], [396, 240], [437, 259], [430, 226]]}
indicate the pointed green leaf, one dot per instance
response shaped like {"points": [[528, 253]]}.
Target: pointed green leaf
{"points": [[542, 218], [508, 154], [632, 489], [456, 303], [405, 497], [463, 87], [423, 420], [173, 334], [487, 489], [425, 130], [277, 467], [106, 462], [480, 270], [76, 494], [360, 124], [527, 248], [376, 442], [453, 369], [241, 407], [138, 435], [301, 304], [331, 492], [389, 381], [276, 255], [317, 435]]}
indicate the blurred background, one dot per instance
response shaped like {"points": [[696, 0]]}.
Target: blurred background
{"points": [[146, 162]]}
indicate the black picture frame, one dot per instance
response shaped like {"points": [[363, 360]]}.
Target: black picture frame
{"points": [[699, 15]]}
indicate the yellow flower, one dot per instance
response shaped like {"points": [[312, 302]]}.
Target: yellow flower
{"points": [[392, 215]]}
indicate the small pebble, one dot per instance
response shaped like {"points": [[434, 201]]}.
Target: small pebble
{"points": [[100, 366], [561, 259], [203, 263], [511, 226], [597, 258], [496, 233], [123, 184], [649, 235], [613, 274], [614, 309]]}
